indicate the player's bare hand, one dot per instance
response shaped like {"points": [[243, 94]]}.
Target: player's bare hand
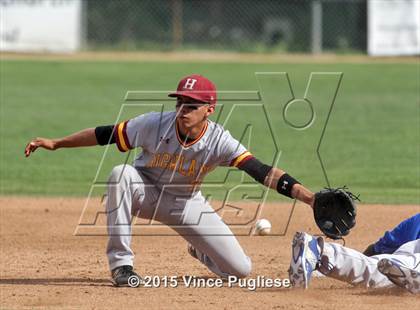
{"points": [[39, 142]]}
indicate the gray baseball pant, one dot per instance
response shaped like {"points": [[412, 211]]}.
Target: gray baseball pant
{"points": [[193, 218]]}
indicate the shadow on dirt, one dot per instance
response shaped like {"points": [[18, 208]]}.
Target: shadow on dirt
{"points": [[58, 281]]}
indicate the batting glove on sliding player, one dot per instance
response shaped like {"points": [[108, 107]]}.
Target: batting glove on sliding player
{"points": [[335, 211]]}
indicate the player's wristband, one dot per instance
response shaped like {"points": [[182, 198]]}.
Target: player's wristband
{"points": [[285, 185]]}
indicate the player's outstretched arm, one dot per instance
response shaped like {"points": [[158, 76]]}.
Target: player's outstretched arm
{"points": [[85, 137], [276, 179], [298, 191], [334, 208]]}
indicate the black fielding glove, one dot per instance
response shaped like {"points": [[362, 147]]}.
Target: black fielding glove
{"points": [[335, 211]]}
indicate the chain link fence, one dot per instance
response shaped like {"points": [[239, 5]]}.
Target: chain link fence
{"points": [[230, 25]]}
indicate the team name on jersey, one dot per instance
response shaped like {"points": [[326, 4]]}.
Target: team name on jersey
{"points": [[178, 163]]}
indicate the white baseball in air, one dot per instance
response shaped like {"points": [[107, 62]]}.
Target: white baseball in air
{"points": [[263, 227]]}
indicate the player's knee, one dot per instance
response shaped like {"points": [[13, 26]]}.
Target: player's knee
{"points": [[242, 268], [119, 172], [116, 173]]}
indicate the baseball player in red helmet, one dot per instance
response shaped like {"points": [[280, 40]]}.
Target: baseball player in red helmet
{"points": [[178, 149]]}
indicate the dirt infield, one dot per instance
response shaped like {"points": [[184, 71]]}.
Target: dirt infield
{"points": [[45, 266]]}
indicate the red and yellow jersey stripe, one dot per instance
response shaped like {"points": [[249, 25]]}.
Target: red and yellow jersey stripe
{"points": [[241, 159], [121, 138]]}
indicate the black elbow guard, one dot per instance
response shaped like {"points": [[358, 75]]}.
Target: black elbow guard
{"points": [[256, 169], [104, 135]]}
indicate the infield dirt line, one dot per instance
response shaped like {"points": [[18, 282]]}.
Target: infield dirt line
{"points": [[207, 56]]}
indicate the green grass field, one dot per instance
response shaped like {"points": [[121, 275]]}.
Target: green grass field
{"points": [[371, 143]]}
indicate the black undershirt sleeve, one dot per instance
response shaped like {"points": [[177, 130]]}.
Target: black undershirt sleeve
{"points": [[104, 134], [370, 250], [255, 169]]}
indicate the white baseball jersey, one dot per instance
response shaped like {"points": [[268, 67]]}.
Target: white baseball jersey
{"points": [[167, 161]]}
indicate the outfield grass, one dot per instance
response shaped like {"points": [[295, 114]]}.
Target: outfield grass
{"points": [[371, 142]]}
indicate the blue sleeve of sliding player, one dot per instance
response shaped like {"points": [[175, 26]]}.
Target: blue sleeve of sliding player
{"points": [[406, 231]]}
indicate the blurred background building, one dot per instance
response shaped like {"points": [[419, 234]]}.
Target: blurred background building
{"points": [[380, 27]]}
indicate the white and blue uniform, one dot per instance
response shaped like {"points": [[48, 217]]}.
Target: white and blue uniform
{"points": [[402, 244], [164, 184]]}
